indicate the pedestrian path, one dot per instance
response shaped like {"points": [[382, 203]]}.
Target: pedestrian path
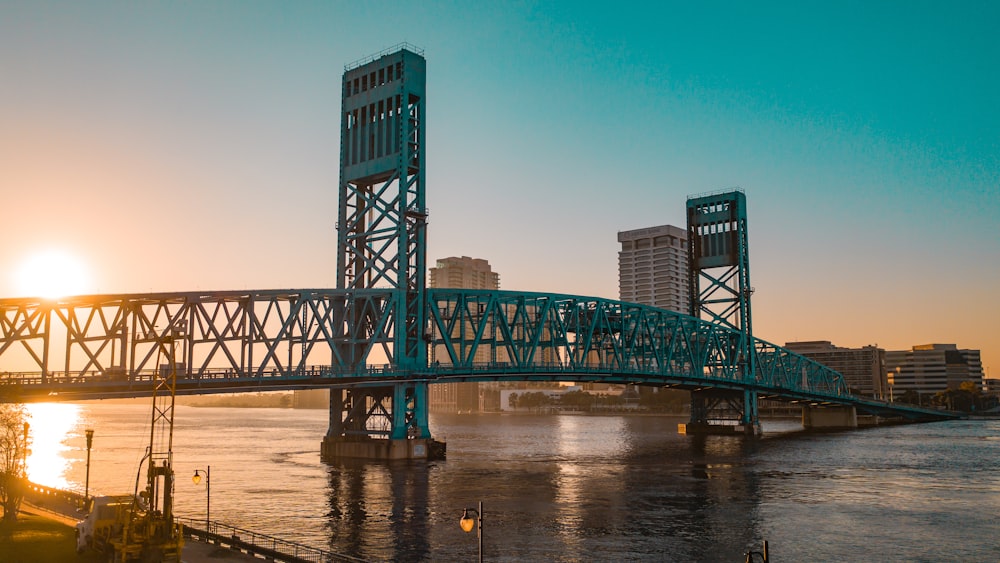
{"points": [[194, 551]]}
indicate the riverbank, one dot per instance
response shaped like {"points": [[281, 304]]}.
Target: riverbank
{"points": [[44, 535], [35, 538]]}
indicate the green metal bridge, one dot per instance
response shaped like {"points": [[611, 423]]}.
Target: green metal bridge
{"points": [[381, 336], [105, 346]]}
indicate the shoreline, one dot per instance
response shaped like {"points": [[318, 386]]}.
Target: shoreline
{"points": [[38, 508]]}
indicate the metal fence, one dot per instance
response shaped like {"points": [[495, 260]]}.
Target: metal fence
{"points": [[258, 544]]}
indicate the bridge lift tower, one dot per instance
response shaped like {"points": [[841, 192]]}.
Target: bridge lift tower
{"points": [[719, 278], [381, 245]]}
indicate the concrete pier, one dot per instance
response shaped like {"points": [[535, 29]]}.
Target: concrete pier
{"points": [[702, 429], [829, 418], [336, 447]]}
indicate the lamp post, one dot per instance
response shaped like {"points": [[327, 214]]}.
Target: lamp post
{"points": [[86, 486], [468, 523], [196, 478]]}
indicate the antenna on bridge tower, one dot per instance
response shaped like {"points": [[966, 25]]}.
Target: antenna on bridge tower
{"points": [[381, 250], [719, 280]]}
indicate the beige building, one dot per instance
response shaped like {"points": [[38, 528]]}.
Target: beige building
{"points": [[930, 368], [462, 273], [653, 268], [863, 368]]}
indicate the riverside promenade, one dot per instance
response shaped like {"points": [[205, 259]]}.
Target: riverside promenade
{"points": [[200, 546], [194, 551]]}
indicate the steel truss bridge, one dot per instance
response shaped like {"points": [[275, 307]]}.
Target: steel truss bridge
{"points": [[105, 346], [381, 337]]}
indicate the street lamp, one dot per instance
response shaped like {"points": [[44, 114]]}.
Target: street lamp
{"points": [[468, 523], [196, 478], [86, 487]]}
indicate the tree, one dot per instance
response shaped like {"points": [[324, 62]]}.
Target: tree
{"points": [[512, 400], [534, 400], [967, 398], [578, 399], [909, 396], [13, 452]]}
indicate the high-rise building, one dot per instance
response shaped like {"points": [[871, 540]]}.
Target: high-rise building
{"points": [[863, 368], [464, 273], [461, 273], [930, 368], [653, 268]]}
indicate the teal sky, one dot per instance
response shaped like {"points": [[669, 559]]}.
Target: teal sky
{"points": [[194, 145]]}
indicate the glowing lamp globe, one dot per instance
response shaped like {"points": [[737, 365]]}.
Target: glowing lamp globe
{"points": [[467, 522]]}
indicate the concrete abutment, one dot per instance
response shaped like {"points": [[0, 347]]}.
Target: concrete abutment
{"points": [[829, 418]]}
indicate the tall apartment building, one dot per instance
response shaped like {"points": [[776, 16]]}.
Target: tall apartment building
{"points": [[464, 273], [929, 368], [461, 273], [863, 368], [653, 268]]}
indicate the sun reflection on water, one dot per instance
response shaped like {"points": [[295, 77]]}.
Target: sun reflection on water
{"points": [[51, 425]]}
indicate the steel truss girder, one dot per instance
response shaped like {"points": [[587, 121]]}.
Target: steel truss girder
{"points": [[312, 338], [538, 332], [254, 334], [261, 335]]}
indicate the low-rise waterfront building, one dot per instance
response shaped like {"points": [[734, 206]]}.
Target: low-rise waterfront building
{"points": [[863, 368], [931, 368], [991, 386]]}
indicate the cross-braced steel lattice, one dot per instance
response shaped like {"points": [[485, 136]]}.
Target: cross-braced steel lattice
{"points": [[719, 278], [381, 232]]}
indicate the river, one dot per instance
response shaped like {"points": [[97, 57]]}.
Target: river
{"points": [[561, 488]]}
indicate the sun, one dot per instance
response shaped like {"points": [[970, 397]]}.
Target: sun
{"points": [[52, 274]]}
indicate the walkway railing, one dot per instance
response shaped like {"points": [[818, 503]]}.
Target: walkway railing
{"points": [[255, 543], [55, 500]]}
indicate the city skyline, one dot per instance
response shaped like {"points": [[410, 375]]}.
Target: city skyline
{"points": [[176, 148]]}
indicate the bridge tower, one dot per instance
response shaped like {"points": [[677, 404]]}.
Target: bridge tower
{"points": [[381, 244], [719, 278]]}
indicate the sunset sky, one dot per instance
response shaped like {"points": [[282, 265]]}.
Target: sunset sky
{"points": [[194, 146]]}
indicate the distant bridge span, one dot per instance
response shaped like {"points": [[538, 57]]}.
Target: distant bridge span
{"points": [[104, 346]]}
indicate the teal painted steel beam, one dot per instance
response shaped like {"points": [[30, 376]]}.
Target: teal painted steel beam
{"points": [[294, 339]]}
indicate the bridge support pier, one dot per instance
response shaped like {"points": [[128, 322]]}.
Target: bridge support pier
{"points": [[829, 418], [380, 423], [720, 412]]}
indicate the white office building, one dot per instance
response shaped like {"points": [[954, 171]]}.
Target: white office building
{"points": [[653, 268], [930, 368]]}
